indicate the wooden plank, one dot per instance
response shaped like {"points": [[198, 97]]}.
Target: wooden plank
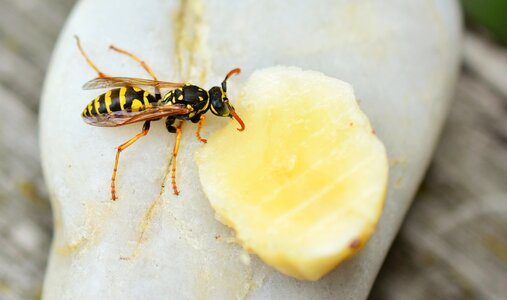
{"points": [[48, 16], [25, 222], [28, 30], [22, 36], [453, 244], [20, 77], [488, 60]]}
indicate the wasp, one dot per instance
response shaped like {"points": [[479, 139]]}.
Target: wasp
{"points": [[128, 103]]}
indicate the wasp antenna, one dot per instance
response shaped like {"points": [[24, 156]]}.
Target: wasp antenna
{"points": [[237, 118], [232, 72]]}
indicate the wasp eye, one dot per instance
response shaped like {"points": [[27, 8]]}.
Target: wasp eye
{"points": [[218, 101]]}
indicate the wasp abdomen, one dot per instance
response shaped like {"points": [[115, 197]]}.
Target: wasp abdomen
{"points": [[124, 98]]}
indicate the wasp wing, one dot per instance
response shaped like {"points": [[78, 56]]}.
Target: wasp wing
{"points": [[124, 117], [108, 82]]}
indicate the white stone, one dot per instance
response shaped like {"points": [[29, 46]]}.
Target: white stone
{"points": [[402, 58]]}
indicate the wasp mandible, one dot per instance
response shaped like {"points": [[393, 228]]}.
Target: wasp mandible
{"points": [[128, 103]]}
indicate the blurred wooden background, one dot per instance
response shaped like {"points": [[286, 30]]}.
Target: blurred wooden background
{"points": [[453, 244]]}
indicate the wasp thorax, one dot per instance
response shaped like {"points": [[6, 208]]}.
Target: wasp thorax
{"points": [[218, 101]]}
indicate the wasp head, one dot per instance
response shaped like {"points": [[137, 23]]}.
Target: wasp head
{"points": [[219, 102], [220, 105]]}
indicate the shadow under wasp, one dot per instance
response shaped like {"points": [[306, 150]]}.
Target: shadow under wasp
{"points": [[128, 103]]}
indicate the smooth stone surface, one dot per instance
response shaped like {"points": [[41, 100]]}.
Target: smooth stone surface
{"points": [[401, 57]]}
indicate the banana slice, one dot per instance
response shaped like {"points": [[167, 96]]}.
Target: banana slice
{"points": [[304, 185]]}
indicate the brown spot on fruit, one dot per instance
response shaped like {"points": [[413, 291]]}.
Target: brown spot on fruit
{"points": [[355, 243]]}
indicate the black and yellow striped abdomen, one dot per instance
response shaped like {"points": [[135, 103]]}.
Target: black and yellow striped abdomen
{"points": [[122, 99]]}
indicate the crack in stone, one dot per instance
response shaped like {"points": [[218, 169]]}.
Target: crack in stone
{"points": [[192, 55]]}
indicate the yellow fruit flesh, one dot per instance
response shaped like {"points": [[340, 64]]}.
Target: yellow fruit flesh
{"points": [[303, 186]]}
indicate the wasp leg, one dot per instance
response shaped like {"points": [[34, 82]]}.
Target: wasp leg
{"points": [[177, 130], [146, 128], [201, 121], [169, 124], [142, 63], [88, 60]]}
